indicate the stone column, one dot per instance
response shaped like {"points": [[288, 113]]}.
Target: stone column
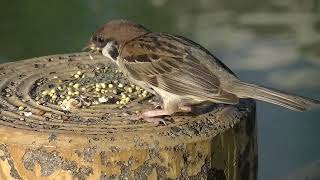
{"points": [[50, 134]]}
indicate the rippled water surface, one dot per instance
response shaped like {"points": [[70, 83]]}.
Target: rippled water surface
{"points": [[273, 43]]}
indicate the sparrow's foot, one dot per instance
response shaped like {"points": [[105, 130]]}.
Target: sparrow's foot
{"points": [[155, 113], [155, 120], [154, 116]]}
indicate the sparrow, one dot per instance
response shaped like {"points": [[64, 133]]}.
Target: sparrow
{"points": [[179, 71]]}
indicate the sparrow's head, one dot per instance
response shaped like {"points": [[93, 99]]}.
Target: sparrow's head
{"points": [[113, 35]]}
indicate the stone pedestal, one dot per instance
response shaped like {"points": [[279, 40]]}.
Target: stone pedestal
{"points": [[41, 138]]}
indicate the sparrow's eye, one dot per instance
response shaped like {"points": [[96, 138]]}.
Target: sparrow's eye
{"points": [[100, 39]]}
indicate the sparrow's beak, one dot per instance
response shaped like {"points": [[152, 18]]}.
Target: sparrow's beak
{"points": [[85, 48], [89, 47]]}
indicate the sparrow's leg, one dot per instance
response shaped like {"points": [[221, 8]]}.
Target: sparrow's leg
{"points": [[170, 106], [163, 112], [186, 108], [154, 119], [198, 108], [156, 113], [155, 116]]}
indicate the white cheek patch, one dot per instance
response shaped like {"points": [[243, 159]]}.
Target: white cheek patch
{"points": [[106, 49]]}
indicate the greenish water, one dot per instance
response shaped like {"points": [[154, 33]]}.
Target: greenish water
{"points": [[273, 43]]}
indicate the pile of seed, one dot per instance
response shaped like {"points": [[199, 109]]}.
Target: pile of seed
{"points": [[103, 85]]}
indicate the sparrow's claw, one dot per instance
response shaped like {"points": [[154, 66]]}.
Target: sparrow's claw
{"points": [[156, 121], [155, 116]]}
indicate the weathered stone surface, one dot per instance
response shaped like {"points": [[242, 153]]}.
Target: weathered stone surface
{"points": [[105, 142]]}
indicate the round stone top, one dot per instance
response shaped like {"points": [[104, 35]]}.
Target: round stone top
{"points": [[74, 99]]}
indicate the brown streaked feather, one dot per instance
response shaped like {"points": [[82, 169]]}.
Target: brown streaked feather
{"points": [[163, 61]]}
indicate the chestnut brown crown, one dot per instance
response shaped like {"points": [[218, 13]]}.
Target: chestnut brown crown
{"points": [[119, 31]]}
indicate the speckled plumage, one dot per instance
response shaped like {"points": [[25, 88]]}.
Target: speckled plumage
{"points": [[179, 70]]}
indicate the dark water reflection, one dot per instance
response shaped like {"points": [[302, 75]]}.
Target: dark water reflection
{"points": [[274, 43]]}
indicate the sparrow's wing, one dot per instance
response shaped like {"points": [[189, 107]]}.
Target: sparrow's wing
{"points": [[164, 61]]}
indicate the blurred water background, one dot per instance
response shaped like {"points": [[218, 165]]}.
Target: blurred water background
{"points": [[273, 42]]}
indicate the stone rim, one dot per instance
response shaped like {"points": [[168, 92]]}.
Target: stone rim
{"points": [[21, 76]]}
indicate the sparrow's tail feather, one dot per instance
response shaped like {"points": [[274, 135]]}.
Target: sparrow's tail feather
{"points": [[290, 101]]}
